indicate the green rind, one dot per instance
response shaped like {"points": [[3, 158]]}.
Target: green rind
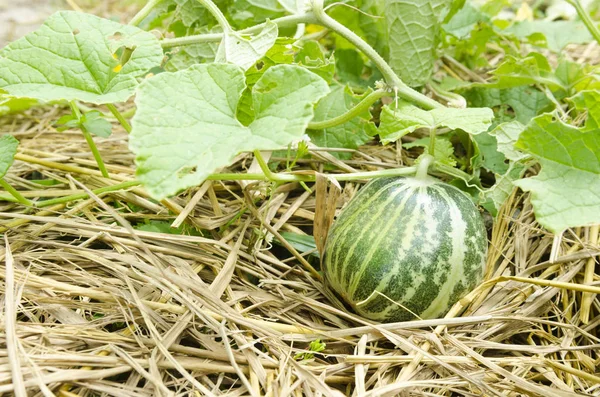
{"points": [[405, 248]]}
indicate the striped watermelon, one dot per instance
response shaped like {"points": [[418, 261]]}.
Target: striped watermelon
{"points": [[406, 247]]}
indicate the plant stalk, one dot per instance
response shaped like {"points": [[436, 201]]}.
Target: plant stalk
{"points": [[79, 196], [15, 193], [95, 152], [360, 107], [290, 20], [432, 136], [113, 109], [218, 14], [585, 18], [144, 12], [89, 140], [391, 78]]}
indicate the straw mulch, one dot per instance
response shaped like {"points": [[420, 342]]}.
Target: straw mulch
{"points": [[95, 305]]}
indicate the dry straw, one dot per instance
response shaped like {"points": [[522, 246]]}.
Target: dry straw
{"points": [[92, 305]]}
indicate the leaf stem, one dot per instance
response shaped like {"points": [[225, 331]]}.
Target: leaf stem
{"points": [[144, 12], [73, 197], [113, 109], [585, 17], [290, 20], [264, 166], [451, 171], [392, 79], [15, 193], [432, 136], [218, 14], [89, 140], [283, 177], [360, 107], [95, 152]]}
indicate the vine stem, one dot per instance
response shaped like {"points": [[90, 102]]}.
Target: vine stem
{"points": [[144, 12], [73, 197], [362, 106], [316, 16], [15, 193], [90, 140], [585, 17], [392, 79], [290, 20], [216, 12], [113, 109]]}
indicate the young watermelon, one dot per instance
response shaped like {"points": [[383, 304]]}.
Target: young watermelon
{"points": [[406, 248]]}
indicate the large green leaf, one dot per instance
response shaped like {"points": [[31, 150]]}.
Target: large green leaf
{"points": [[566, 193], [8, 149], [349, 135], [406, 118], [72, 57], [186, 127], [413, 37]]}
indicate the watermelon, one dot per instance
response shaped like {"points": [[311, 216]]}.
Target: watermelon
{"points": [[406, 248]]}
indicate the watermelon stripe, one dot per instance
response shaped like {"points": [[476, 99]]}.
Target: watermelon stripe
{"points": [[406, 245], [357, 209]]}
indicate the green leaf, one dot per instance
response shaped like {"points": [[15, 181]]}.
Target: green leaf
{"points": [[463, 22], [525, 102], [192, 12], [70, 57], [443, 153], [247, 13], [589, 101], [406, 118], [507, 135], [493, 160], [9, 105], [349, 66], [493, 198], [186, 127], [566, 193], [533, 69], [413, 37], [96, 124], [246, 52], [302, 242], [183, 57], [165, 227], [281, 53], [8, 149], [312, 57], [349, 135], [557, 33]]}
